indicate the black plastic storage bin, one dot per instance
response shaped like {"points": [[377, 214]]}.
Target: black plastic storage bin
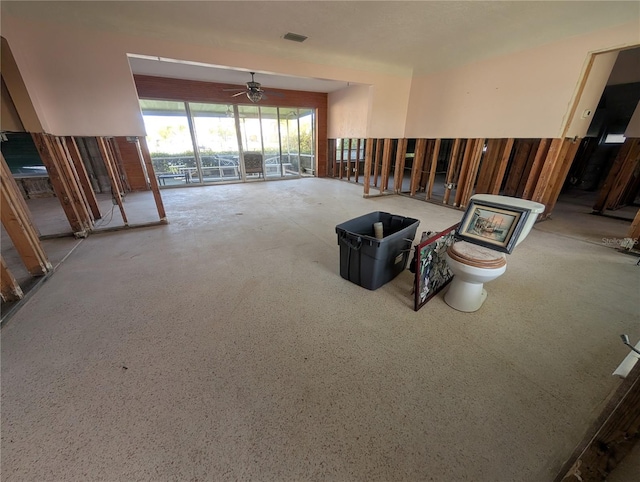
{"points": [[371, 262]]}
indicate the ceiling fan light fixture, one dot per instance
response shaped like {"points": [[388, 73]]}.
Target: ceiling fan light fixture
{"points": [[254, 95]]}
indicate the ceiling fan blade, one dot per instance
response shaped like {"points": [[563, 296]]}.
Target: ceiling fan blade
{"points": [[239, 93], [232, 90]]}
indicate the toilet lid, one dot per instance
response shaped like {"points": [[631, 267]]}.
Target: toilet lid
{"points": [[474, 255]]}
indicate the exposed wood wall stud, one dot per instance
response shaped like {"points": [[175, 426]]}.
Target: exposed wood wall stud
{"points": [[83, 177], [357, 166], [145, 155], [416, 168], [433, 167], [456, 153], [464, 168], [498, 176], [387, 149], [18, 224], [10, 289], [536, 168], [59, 182], [115, 186], [398, 174], [368, 159]]}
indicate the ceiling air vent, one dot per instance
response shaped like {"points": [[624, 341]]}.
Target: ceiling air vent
{"points": [[294, 37]]}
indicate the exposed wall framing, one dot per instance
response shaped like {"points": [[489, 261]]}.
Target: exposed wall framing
{"points": [[83, 176], [525, 168], [65, 182], [19, 226], [620, 186]]}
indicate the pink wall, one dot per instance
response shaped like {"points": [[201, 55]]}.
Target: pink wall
{"points": [[82, 84], [348, 112], [526, 94]]}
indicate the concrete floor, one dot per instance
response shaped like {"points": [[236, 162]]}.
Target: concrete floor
{"points": [[225, 346]]}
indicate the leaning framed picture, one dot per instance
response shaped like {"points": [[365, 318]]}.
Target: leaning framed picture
{"points": [[492, 225], [430, 266]]}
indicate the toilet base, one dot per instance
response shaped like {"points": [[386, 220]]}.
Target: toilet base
{"points": [[465, 296]]}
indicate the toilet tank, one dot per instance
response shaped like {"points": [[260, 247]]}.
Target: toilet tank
{"points": [[516, 202]]}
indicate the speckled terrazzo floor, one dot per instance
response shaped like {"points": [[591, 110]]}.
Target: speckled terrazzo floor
{"points": [[225, 346]]}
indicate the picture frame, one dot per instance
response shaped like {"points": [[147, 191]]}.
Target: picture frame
{"points": [[431, 270], [492, 225]]}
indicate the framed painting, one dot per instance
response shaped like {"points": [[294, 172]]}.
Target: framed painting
{"points": [[493, 226], [432, 272]]}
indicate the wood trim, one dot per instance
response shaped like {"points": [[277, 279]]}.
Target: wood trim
{"points": [[19, 226], [9, 288], [578, 95], [145, 155]]}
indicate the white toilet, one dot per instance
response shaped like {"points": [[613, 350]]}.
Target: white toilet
{"points": [[474, 265]]}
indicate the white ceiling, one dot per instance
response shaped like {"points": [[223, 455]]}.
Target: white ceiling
{"points": [[401, 37]]}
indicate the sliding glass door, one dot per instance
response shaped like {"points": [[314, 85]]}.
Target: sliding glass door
{"points": [[199, 143], [169, 141], [216, 137]]}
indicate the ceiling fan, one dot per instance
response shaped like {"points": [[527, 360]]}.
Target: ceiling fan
{"points": [[254, 91]]}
